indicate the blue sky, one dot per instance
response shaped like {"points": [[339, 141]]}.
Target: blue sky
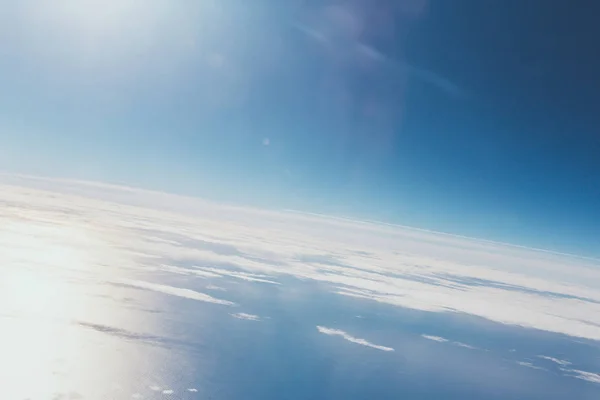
{"points": [[435, 116]]}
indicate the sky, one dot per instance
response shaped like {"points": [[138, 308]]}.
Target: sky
{"points": [[476, 118]]}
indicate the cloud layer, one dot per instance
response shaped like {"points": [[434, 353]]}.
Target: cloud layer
{"points": [[109, 231]]}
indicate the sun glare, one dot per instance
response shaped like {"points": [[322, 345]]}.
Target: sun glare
{"points": [[114, 44], [36, 245], [49, 273], [99, 36], [35, 256], [93, 17], [96, 16]]}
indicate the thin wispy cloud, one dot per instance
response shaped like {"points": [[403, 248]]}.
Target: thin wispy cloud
{"points": [[350, 338], [249, 317], [563, 363], [466, 346], [218, 288], [188, 271], [440, 339], [175, 291], [530, 365], [583, 375], [435, 338], [238, 275]]}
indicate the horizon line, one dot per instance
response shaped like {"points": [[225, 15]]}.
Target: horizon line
{"points": [[128, 187], [441, 233]]}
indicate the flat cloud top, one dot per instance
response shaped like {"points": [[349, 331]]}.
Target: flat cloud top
{"points": [[113, 230]]}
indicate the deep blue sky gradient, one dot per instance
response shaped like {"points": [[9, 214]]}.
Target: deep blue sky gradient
{"points": [[479, 118]]}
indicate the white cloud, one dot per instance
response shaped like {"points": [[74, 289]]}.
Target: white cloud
{"points": [[239, 275], [435, 338], [218, 288], [440, 339], [467, 346], [530, 365], [249, 317], [337, 332], [584, 375], [563, 363], [187, 271], [175, 291], [111, 231]]}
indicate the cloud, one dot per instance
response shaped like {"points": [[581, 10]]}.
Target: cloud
{"points": [[187, 271], [249, 317], [440, 339], [111, 231], [337, 332], [175, 291], [563, 363], [435, 338], [583, 375], [218, 288], [239, 275], [467, 346], [530, 365]]}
